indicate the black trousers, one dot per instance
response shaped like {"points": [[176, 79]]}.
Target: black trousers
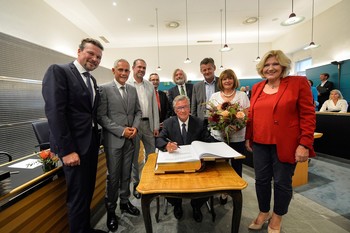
{"points": [[80, 182]]}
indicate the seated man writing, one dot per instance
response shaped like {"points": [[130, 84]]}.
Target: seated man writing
{"points": [[183, 129]]}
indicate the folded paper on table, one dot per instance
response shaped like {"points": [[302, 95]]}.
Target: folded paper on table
{"points": [[199, 150]]}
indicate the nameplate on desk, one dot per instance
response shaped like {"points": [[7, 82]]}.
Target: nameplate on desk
{"points": [[27, 164]]}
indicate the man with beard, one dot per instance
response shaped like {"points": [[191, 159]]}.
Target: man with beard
{"points": [[181, 88]]}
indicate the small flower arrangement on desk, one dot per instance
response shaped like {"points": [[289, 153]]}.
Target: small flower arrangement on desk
{"points": [[48, 160], [228, 118]]}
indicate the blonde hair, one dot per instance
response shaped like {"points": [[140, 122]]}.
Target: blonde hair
{"points": [[282, 59], [336, 91]]}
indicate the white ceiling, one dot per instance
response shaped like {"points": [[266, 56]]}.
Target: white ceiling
{"points": [[100, 18]]}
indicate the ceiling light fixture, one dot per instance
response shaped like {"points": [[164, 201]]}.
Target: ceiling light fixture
{"points": [[158, 67], [226, 48], [188, 60], [293, 18], [221, 66], [312, 44], [257, 59]]}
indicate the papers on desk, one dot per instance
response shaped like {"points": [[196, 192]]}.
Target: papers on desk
{"points": [[198, 150], [27, 164]]}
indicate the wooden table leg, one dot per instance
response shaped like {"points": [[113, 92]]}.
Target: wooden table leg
{"points": [[145, 205], [237, 209]]}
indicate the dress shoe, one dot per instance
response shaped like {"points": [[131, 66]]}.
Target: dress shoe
{"points": [[270, 230], [178, 211], [255, 226], [129, 208], [136, 194], [112, 222], [197, 214], [223, 201]]}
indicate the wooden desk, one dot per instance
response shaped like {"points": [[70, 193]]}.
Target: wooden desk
{"points": [[301, 173], [216, 178], [42, 203]]}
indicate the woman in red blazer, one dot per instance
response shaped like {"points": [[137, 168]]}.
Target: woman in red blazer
{"points": [[279, 133]]}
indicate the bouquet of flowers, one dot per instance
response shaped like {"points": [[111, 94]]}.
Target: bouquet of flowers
{"points": [[227, 118], [48, 160]]}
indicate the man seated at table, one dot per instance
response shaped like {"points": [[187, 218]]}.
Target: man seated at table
{"points": [[183, 129]]}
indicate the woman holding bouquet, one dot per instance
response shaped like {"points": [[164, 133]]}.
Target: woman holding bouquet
{"points": [[280, 130], [227, 116]]}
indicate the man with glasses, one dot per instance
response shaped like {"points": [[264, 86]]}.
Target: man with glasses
{"points": [[183, 130]]}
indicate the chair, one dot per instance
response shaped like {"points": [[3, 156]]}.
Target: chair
{"points": [[42, 132], [5, 157]]}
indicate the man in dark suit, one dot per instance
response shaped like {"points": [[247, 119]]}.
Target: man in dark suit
{"points": [[162, 99], [119, 114], [183, 130], [202, 91], [324, 89], [71, 98], [181, 88]]}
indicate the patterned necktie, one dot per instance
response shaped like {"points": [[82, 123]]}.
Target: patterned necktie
{"points": [[88, 83], [123, 93], [158, 100], [182, 90], [184, 133]]}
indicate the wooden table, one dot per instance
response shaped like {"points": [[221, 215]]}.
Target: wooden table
{"points": [[216, 178]]}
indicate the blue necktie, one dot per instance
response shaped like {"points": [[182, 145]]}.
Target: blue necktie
{"points": [[88, 82], [184, 133]]}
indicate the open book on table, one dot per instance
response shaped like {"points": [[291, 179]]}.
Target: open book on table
{"points": [[199, 150]]}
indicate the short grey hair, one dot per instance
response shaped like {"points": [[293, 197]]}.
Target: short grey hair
{"points": [[180, 98]]}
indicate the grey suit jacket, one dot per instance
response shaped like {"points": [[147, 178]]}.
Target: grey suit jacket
{"points": [[199, 98], [153, 114], [113, 114]]}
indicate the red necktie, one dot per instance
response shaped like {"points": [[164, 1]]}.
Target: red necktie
{"points": [[158, 101]]}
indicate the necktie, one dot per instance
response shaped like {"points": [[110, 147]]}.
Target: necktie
{"points": [[182, 90], [88, 83], [123, 92], [184, 133], [158, 100]]}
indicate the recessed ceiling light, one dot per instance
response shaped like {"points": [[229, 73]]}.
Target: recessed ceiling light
{"points": [[173, 24], [250, 20], [129, 19], [114, 3]]}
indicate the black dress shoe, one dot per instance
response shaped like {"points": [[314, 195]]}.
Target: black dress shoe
{"points": [[136, 194], [112, 222], [178, 211], [129, 208], [223, 201], [197, 214]]}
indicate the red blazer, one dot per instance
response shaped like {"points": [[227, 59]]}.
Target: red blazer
{"points": [[294, 118]]}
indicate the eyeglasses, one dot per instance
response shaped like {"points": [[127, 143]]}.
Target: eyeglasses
{"points": [[186, 107]]}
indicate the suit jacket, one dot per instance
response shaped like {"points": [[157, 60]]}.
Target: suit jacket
{"points": [[197, 130], [324, 92], [153, 113], [199, 97], [114, 113], [174, 91], [164, 111], [294, 119], [69, 110]]}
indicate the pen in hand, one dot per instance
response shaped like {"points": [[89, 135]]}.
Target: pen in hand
{"points": [[168, 140]]}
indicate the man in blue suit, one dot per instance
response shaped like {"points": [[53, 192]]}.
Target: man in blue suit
{"points": [[183, 130], [71, 98], [119, 114]]}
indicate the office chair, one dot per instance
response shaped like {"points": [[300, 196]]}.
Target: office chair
{"points": [[41, 130], [5, 157]]}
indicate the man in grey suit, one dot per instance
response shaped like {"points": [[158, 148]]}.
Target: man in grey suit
{"points": [[119, 114], [149, 125], [203, 90]]}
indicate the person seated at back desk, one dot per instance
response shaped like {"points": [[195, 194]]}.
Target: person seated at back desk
{"points": [[335, 103], [183, 129]]}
